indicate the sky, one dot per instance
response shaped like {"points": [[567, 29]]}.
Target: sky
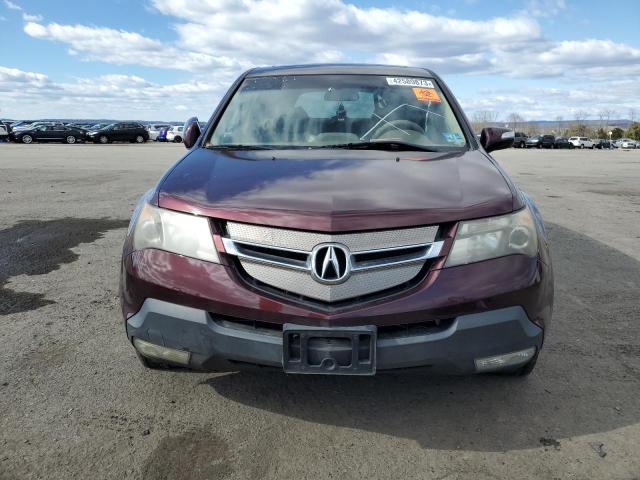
{"points": [[171, 59]]}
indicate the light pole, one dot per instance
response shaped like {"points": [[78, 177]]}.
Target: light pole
{"points": [[610, 144]]}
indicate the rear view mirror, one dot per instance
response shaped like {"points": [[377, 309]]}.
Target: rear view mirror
{"points": [[191, 132], [494, 138], [341, 95]]}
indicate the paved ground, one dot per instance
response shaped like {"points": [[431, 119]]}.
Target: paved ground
{"points": [[76, 404]]}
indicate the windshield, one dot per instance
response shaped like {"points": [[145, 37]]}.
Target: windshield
{"points": [[324, 111]]}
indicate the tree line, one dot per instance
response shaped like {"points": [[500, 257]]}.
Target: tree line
{"points": [[580, 125]]}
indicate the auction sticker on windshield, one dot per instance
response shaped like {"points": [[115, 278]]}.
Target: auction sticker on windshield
{"points": [[426, 94], [409, 82]]}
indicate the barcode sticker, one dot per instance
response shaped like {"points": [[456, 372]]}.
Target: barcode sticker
{"points": [[409, 82]]}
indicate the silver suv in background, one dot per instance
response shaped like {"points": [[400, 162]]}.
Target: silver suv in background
{"points": [[581, 142], [174, 134], [626, 143]]}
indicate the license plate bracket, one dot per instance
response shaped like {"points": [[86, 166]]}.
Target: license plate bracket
{"points": [[329, 351]]}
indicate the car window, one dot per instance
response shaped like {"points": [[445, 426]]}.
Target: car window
{"points": [[325, 110]]}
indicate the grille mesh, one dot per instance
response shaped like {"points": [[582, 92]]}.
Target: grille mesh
{"points": [[357, 242]]}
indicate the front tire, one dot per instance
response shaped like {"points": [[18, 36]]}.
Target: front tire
{"points": [[27, 139], [139, 139], [103, 139], [71, 139]]}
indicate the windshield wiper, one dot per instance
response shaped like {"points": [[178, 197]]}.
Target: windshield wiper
{"points": [[382, 145], [238, 146]]}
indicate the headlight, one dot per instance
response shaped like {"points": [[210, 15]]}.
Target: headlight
{"points": [[494, 237], [175, 232]]}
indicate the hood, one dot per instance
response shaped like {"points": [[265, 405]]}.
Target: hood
{"points": [[337, 190]]}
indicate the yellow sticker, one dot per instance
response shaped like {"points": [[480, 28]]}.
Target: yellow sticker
{"points": [[426, 94]]}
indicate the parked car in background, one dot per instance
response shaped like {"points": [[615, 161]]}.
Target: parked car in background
{"points": [[174, 134], [540, 141], [344, 256], [581, 142], [533, 141], [562, 142], [520, 140], [21, 123], [154, 130], [627, 143], [120, 132], [28, 126], [5, 128], [80, 126], [601, 143], [49, 133], [547, 141]]}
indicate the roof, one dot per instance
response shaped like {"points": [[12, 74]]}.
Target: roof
{"points": [[340, 69]]}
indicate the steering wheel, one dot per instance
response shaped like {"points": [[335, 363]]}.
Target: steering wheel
{"points": [[396, 124]]}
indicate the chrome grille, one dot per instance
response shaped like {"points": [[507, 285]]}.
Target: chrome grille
{"points": [[377, 261], [356, 242], [359, 284]]}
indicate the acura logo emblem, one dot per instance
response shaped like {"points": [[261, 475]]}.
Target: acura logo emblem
{"points": [[330, 263]]}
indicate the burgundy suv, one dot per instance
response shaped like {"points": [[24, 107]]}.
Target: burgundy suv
{"points": [[338, 219]]}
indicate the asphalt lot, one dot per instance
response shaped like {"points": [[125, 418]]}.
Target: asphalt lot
{"points": [[75, 403]]}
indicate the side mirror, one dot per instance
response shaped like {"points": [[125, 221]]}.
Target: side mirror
{"points": [[493, 138], [191, 132]]}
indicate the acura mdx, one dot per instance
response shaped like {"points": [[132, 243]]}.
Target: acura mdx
{"points": [[338, 219]]}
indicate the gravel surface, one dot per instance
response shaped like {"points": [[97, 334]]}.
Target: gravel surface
{"points": [[75, 402]]}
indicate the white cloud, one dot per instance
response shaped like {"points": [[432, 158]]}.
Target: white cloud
{"points": [[31, 18], [590, 53], [106, 96], [25, 16], [310, 28], [122, 47], [228, 36], [12, 77], [218, 39], [535, 103], [12, 6]]}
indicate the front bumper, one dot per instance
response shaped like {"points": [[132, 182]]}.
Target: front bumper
{"points": [[216, 345]]}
